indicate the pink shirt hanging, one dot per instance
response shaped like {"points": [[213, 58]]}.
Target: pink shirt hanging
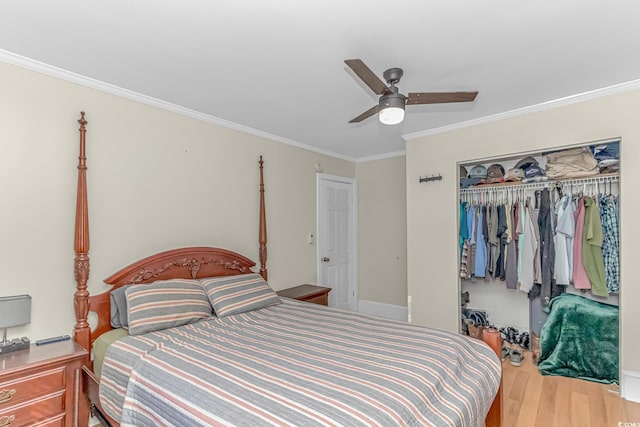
{"points": [[580, 278]]}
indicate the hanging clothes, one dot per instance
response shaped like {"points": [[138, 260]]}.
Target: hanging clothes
{"points": [[592, 240], [485, 232], [541, 247], [529, 251], [502, 234], [494, 239], [464, 261], [464, 241], [537, 262], [481, 245], [579, 274], [547, 247], [471, 224], [511, 263], [611, 242], [520, 234], [565, 227], [509, 217], [464, 230]]}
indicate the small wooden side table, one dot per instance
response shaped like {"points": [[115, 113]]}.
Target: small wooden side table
{"points": [[42, 386], [308, 293]]}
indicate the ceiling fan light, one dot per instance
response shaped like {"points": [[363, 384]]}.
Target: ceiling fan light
{"points": [[391, 109], [391, 116]]}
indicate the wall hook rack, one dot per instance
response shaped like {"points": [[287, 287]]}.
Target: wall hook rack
{"points": [[430, 178]]}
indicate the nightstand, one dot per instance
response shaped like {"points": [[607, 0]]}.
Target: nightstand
{"points": [[308, 293], [43, 385]]}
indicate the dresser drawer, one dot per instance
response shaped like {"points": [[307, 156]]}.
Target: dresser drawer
{"points": [[57, 421], [41, 386], [21, 388], [47, 406]]}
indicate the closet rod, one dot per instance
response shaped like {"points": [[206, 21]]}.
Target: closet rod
{"points": [[602, 179]]}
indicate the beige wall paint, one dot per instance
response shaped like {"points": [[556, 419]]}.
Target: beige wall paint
{"points": [[382, 231], [157, 180], [432, 209]]}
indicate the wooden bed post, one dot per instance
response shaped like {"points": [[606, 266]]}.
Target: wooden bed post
{"points": [[263, 227], [82, 331]]}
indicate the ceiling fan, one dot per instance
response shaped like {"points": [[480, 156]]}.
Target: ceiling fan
{"points": [[391, 106]]}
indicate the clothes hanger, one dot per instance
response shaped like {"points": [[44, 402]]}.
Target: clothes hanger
{"points": [[558, 188]]}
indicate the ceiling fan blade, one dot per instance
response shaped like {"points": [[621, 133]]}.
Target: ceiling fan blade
{"points": [[370, 112], [366, 75], [439, 97]]}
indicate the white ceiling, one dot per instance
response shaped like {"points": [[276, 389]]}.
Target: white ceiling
{"points": [[276, 67]]}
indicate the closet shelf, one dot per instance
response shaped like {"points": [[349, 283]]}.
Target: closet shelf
{"points": [[498, 187]]}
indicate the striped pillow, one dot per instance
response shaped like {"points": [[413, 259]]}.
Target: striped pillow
{"points": [[239, 294], [165, 304]]}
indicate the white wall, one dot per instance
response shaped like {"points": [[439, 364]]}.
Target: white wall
{"points": [[432, 218], [382, 231], [156, 180], [505, 307]]}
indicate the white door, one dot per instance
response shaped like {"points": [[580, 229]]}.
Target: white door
{"points": [[336, 240]]}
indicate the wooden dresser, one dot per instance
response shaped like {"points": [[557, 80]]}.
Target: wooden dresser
{"points": [[309, 293], [42, 386]]}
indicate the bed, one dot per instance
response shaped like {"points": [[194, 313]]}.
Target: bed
{"points": [[256, 359]]}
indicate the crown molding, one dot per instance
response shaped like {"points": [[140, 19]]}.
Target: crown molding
{"points": [[383, 156], [69, 76], [573, 99]]}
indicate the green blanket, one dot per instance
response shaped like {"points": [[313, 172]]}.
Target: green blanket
{"points": [[580, 340]]}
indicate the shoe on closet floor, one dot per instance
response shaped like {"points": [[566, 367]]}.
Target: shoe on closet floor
{"points": [[524, 340], [506, 352], [516, 357], [509, 334]]}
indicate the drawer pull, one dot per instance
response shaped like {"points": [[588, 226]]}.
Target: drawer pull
{"points": [[6, 395], [6, 421]]}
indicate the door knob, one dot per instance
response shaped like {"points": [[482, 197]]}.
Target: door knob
{"points": [[325, 259]]}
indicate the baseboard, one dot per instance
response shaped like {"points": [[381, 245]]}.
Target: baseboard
{"points": [[631, 385], [381, 309]]}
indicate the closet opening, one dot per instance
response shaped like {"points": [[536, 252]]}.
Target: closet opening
{"points": [[538, 252]]}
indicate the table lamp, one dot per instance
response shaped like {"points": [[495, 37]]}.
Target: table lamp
{"points": [[14, 311]]}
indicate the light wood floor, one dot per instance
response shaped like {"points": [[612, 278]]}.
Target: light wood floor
{"points": [[533, 400]]}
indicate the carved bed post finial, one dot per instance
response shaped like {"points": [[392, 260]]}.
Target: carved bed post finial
{"points": [[82, 331], [263, 226]]}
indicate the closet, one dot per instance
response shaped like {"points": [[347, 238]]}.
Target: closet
{"points": [[534, 226]]}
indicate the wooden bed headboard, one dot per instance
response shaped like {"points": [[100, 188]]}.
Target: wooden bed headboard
{"points": [[191, 262]]}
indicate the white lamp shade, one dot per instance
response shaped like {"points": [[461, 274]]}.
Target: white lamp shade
{"points": [[391, 115]]}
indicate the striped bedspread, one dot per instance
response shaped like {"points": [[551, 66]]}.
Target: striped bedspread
{"points": [[299, 364]]}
